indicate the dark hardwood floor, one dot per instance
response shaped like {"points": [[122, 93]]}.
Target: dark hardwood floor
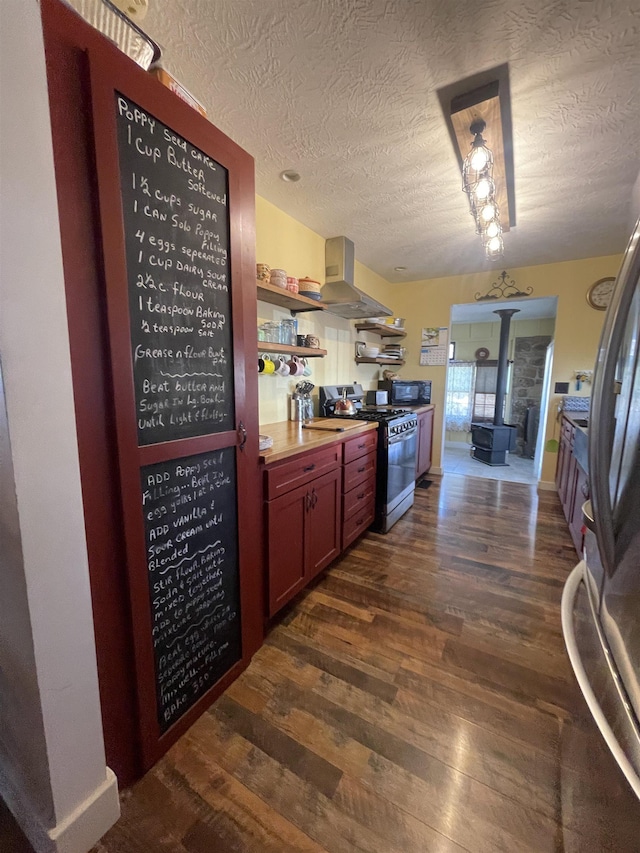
{"points": [[418, 698]]}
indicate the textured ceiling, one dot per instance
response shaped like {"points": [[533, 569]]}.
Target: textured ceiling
{"points": [[345, 92]]}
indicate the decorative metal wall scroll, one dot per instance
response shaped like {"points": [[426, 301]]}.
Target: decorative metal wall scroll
{"points": [[503, 290]]}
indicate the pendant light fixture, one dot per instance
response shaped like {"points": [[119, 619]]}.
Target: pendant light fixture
{"points": [[477, 111], [478, 184]]}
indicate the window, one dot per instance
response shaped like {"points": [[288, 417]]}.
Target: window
{"points": [[461, 379], [484, 396], [483, 406]]}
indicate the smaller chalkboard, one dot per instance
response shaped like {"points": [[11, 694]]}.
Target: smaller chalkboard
{"points": [[190, 522]]}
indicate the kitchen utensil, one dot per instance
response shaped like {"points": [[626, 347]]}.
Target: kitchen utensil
{"points": [[279, 278], [327, 427], [282, 368], [288, 332], [309, 287], [265, 442], [263, 273], [297, 407], [345, 406], [266, 365], [364, 350], [377, 398], [296, 368]]}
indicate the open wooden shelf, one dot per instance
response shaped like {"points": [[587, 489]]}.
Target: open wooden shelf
{"points": [[379, 360], [381, 329], [285, 349], [285, 299]]}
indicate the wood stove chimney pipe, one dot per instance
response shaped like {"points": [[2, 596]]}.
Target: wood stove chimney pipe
{"points": [[505, 315]]}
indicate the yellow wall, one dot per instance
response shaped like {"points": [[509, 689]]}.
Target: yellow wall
{"points": [[577, 330], [284, 242], [470, 336]]}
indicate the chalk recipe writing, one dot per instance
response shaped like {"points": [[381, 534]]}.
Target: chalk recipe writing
{"points": [[176, 224], [190, 522]]}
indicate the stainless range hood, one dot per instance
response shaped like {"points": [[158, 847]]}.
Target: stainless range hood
{"points": [[339, 293]]}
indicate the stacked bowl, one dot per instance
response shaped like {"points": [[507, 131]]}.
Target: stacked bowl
{"points": [[309, 287]]}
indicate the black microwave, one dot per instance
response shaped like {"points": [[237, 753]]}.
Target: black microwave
{"points": [[405, 392]]}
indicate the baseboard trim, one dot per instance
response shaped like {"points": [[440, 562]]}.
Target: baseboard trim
{"points": [[80, 830], [546, 486], [436, 470]]}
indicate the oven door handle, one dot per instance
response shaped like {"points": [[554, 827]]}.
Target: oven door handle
{"points": [[403, 436]]}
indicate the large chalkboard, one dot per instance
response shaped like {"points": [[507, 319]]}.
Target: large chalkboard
{"points": [[190, 522], [176, 231]]}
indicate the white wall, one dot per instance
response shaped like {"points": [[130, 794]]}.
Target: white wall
{"points": [[52, 766]]}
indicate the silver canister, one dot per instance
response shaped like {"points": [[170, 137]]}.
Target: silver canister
{"points": [[297, 407]]}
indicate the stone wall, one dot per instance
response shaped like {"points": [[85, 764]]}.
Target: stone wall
{"points": [[528, 378]]}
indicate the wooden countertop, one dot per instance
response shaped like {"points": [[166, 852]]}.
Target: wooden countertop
{"points": [[289, 438]]}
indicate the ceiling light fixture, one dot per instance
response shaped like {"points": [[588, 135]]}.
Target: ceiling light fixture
{"points": [[480, 106], [290, 176], [399, 269], [478, 184]]}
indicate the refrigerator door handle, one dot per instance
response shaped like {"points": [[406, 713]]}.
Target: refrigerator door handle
{"points": [[568, 599]]}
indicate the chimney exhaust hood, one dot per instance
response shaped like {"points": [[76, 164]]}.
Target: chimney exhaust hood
{"points": [[339, 293]]}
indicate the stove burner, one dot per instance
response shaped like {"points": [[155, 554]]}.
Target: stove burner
{"points": [[384, 410]]}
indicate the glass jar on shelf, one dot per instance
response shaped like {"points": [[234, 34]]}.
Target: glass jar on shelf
{"points": [[288, 332]]}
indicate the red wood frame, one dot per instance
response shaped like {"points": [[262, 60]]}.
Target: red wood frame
{"points": [[109, 456]]}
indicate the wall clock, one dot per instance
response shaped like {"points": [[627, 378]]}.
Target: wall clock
{"points": [[482, 353], [600, 292]]}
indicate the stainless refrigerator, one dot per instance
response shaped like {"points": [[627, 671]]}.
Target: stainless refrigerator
{"points": [[601, 599]]}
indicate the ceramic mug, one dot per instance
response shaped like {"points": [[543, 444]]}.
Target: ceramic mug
{"points": [[265, 365], [282, 368], [296, 368], [306, 366]]}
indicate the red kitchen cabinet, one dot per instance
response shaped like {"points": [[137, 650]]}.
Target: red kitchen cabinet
{"points": [[358, 486], [580, 495], [303, 535], [425, 441], [572, 483]]}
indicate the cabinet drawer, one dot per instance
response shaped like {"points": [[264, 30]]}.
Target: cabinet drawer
{"points": [[363, 444], [280, 479], [357, 524], [567, 430], [358, 471], [358, 499]]}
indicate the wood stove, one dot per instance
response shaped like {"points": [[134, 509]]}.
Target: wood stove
{"points": [[492, 442]]}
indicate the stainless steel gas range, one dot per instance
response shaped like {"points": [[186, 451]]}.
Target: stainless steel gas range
{"points": [[396, 460]]}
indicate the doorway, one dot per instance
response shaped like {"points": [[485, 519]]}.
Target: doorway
{"points": [[471, 385]]}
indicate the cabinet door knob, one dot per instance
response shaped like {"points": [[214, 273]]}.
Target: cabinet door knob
{"points": [[314, 498]]}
